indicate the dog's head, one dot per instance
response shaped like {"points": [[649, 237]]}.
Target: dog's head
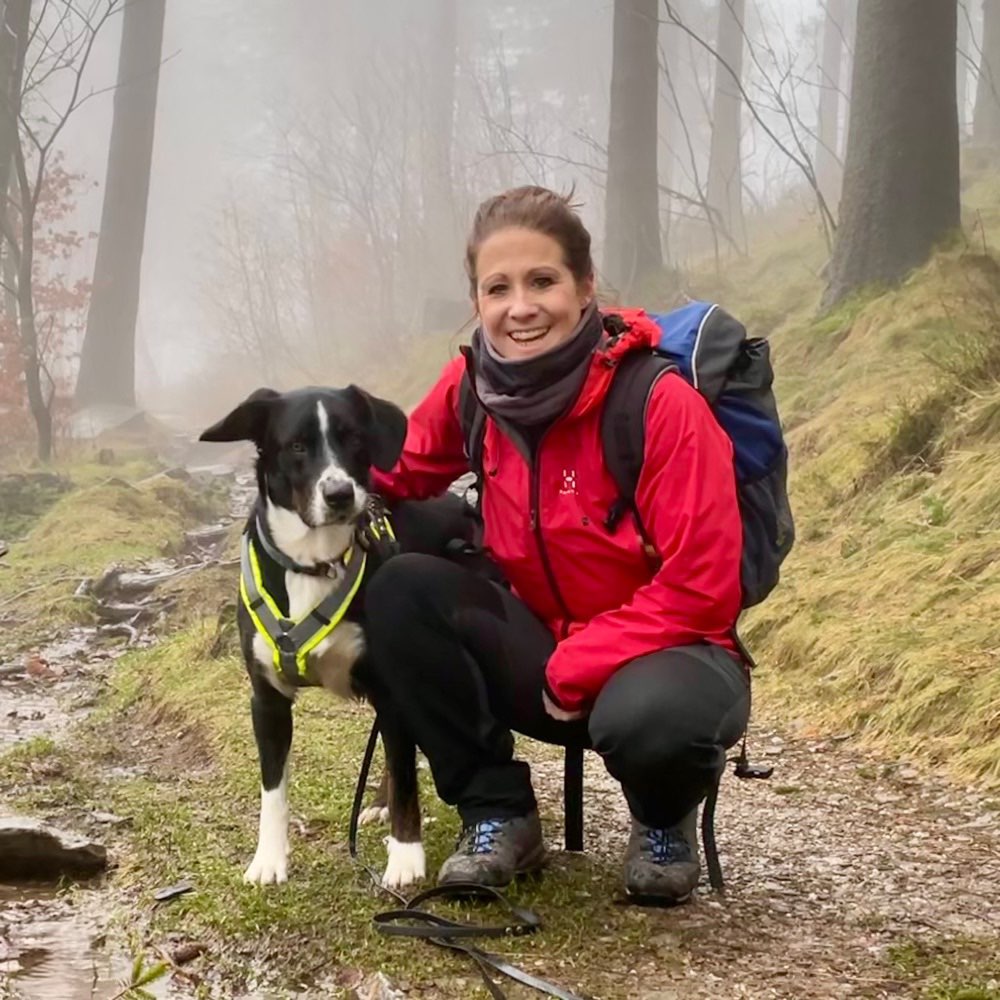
{"points": [[315, 447]]}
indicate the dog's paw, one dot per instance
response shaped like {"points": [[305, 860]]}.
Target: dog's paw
{"points": [[406, 864], [269, 865], [374, 814]]}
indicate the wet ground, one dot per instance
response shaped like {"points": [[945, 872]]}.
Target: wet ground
{"points": [[52, 947], [53, 941]]}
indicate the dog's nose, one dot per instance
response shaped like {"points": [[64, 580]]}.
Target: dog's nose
{"points": [[337, 493]]}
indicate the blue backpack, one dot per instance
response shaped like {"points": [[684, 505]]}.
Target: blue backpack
{"points": [[711, 350]]}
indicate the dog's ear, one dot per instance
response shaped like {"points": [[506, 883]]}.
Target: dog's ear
{"points": [[386, 426], [246, 422]]}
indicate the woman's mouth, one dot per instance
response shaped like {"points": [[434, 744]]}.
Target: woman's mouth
{"points": [[528, 336]]}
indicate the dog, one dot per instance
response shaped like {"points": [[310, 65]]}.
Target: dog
{"points": [[315, 534]]}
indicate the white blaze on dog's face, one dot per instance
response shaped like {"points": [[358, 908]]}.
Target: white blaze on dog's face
{"points": [[337, 497]]}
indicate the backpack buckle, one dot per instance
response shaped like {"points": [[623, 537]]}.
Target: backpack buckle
{"points": [[616, 512]]}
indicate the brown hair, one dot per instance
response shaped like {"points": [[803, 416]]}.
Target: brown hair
{"points": [[538, 209]]}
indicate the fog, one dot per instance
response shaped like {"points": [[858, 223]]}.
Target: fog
{"points": [[316, 165]]}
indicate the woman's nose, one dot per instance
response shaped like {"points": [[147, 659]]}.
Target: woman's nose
{"points": [[521, 304]]}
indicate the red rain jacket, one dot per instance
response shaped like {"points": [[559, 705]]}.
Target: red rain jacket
{"points": [[544, 526]]}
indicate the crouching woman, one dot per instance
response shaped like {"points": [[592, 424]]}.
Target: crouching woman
{"points": [[597, 641]]}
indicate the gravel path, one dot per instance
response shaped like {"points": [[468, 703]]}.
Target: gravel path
{"points": [[830, 864]]}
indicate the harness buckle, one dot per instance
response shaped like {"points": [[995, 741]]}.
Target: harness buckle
{"points": [[285, 642]]}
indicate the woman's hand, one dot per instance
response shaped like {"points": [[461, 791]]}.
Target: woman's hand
{"points": [[560, 714]]}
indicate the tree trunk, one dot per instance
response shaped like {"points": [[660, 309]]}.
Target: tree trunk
{"points": [[632, 207], [962, 68], [441, 243], [41, 408], [107, 363], [669, 127], [725, 176], [901, 182], [13, 43], [850, 43], [986, 119], [829, 169]]}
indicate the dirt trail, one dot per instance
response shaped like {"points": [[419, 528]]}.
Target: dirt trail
{"points": [[835, 865]]}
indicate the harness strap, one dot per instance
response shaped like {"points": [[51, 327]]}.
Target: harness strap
{"points": [[291, 641], [443, 932]]}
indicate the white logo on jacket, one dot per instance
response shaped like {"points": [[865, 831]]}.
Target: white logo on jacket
{"points": [[568, 487]]}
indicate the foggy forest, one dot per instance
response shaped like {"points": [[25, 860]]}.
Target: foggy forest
{"points": [[206, 197]]}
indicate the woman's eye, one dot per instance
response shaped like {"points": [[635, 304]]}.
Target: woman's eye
{"points": [[496, 289], [543, 281]]}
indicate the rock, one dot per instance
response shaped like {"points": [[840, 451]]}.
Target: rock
{"points": [[109, 818], [188, 952], [376, 987], [31, 849]]}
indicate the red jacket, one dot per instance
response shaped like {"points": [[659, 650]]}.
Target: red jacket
{"points": [[611, 605]]}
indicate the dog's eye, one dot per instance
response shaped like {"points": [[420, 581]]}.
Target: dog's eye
{"points": [[298, 448]]}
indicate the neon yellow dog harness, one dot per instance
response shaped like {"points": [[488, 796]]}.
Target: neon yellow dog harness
{"points": [[292, 641]]}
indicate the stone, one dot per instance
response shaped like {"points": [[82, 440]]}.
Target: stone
{"points": [[32, 849]]}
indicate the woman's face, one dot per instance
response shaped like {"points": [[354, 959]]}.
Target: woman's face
{"points": [[527, 298]]}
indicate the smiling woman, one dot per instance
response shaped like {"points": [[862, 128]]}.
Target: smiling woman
{"points": [[592, 644]]}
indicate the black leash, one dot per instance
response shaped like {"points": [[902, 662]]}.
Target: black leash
{"points": [[411, 921]]}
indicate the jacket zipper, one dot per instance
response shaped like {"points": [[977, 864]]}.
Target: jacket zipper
{"points": [[534, 489], [536, 527]]}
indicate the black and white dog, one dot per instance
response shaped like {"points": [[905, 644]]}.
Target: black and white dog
{"points": [[310, 545]]}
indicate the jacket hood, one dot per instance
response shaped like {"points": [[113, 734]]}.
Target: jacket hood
{"points": [[640, 334]]}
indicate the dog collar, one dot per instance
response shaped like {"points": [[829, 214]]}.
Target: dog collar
{"points": [[326, 568]]}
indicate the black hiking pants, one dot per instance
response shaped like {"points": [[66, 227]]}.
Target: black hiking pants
{"points": [[463, 660]]}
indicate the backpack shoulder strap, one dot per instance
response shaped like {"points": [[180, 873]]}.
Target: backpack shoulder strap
{"points": [[623, 428], [472, 419]]}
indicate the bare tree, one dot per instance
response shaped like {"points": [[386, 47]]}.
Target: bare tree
{"points": [[901, 181], [829, 169], [773, 107], [986, 119], [725, 176], [107, 361], [56, 49], [632, 235], [13, 44]]}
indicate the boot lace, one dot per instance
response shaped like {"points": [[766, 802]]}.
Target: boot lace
{"points": [[667, 845], [481, 838]]}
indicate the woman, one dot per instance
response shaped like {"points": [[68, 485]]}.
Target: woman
{"points": [[592, 643]]}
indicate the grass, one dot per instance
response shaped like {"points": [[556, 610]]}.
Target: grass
{"points": [[181, 712], [82, 533], [949, 970]]}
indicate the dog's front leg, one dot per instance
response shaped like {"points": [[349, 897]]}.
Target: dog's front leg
{"points": [[406, 862], [272, 727]]}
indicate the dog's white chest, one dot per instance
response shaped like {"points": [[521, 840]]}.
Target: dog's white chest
{"points": [[331, 661]]}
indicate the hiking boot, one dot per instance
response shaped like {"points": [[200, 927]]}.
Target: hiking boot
{"points": [[662, 863], [492, 851]]}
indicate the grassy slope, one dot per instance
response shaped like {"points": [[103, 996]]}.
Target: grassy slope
{"points": [[885, 620]]}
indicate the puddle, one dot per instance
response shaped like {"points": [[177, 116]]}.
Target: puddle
{"points": [[52, 949]]}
